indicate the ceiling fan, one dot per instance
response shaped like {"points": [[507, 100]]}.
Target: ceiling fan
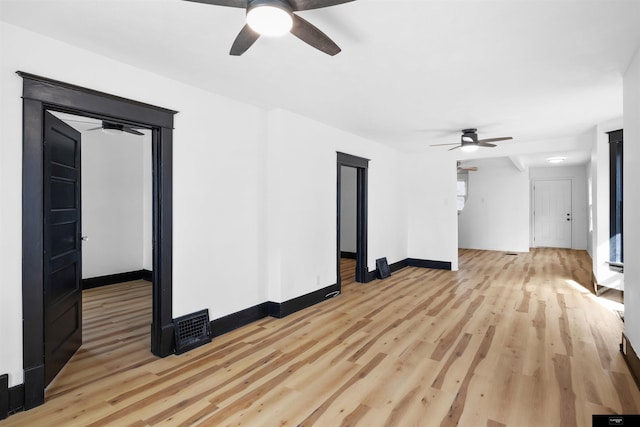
{"points": [[276, 17], [469, 141], [116, 128]]}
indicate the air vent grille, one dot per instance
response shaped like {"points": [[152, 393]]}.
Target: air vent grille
{"points": [[192, 330]]}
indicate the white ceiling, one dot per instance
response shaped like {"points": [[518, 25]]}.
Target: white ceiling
{"points": [[411, 73]]}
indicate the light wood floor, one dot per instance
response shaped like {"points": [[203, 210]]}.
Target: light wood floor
{"points": [[508, 340]]}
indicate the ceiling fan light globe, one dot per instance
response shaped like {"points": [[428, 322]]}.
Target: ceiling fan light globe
{"points": [[269, 20], [469, 148]]}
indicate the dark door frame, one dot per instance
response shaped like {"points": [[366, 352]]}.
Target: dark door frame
{"points": [[40, 94], [362, 166]]}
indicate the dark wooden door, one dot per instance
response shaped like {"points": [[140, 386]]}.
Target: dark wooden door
{"points": [[62, 245]]}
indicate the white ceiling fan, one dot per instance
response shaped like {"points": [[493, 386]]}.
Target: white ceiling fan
{"points": [[469, 141]]}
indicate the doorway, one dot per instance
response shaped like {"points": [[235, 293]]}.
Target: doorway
{"points": [[356, 168], [116, 201], [348, 222], [40, 94], [552, 214], [115, 248]]}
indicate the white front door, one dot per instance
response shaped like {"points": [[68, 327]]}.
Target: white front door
{"points": [[552, 213]]}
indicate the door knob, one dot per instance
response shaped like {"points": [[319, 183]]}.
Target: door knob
{"points": [[84, 238]]}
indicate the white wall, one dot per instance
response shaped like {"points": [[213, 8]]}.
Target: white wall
{"points": [[348, 209], [115, 213], [599, 169], [433, 224], [301, 228], [496, 215], [579, 202], [632, 201]]}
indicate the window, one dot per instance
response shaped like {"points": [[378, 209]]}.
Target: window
{"points": [[463, 189], [616, 254]]}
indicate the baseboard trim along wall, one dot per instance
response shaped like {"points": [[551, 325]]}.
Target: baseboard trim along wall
{"points": [[274, 309], [426, 263], [283, 309], [11, 398], [411, 262], [631, 357], [96, 282], [239, 319], [4, 396]]}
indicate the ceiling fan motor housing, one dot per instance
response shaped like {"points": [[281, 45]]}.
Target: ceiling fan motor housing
{"points": [[469, 136], [280, 4]]}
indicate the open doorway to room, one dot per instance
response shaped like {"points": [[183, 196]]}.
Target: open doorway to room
{"points": [[355, 189], [348, 222], [116, 250], [51, 167]]}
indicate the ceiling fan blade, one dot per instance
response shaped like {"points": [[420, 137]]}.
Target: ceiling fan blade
{"points": [[454, 148], [245, 39], [313, 36], [441, 145], [506, 138], [99, 127], [230, 3], [314, 4], [484, 144], [131, 131]]}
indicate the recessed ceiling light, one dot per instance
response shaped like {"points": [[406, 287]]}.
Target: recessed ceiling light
{"points": [[556, 159]]}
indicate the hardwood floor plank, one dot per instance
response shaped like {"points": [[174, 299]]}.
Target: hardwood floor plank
{"points": [[567, 402], [457, 406]]}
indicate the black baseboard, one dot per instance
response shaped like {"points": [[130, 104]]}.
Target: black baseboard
{"points": [[96, 282], [398, 265], [11, 398], [4, 396], [33, 386], [411, 262], [631, 357], [283, 309], [274, 309], [348, 255], [147, 275], [237, 320], [16, 399], [425, 263], [371, 276]]}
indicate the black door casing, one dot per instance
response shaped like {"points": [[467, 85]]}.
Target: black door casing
{"points": [[40, 94]]}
